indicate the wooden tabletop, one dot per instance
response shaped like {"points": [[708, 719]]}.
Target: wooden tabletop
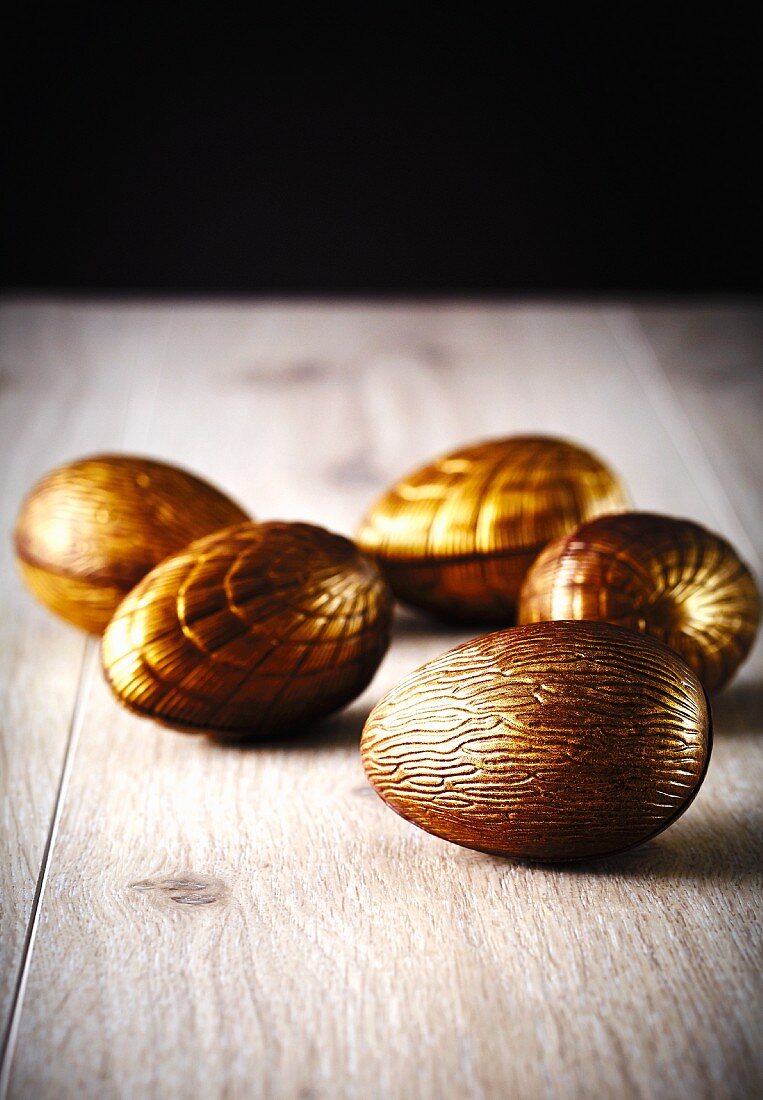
{"points": [[181, 919]]}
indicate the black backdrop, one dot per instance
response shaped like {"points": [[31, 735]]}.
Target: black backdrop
{"points": [[182, 149]]}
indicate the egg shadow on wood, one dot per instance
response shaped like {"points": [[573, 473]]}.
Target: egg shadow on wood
{"points": [[337, 731], [726, 849], [410, 624], [739, 701]]}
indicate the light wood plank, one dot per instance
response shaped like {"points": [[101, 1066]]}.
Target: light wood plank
{"points": [[56, 401], [712, 357], [339, 952]]}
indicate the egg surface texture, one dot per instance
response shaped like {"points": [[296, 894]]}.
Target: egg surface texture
{"points": [[254, 630], [457, 537], [555, 742], [88, 531], [668, 577]]}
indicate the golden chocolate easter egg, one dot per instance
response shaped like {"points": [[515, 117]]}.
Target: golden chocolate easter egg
{"points": [[88, 531], [667, 577], [255, 630], [457, 537], [557, 741]]}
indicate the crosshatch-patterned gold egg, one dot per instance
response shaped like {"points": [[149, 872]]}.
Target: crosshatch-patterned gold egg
{"points": [[456, 537], [556, 741], [253, 631], [89, 530], [668, 577]]}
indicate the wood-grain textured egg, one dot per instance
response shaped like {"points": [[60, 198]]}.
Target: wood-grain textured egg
{"points": [[668, 577], [457, 537], [556, 741], [255, 630], [89, 530]]}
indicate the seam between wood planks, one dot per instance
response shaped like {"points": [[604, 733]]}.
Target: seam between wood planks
{"points": [[644, 364], [87, 665], [90, 650]]}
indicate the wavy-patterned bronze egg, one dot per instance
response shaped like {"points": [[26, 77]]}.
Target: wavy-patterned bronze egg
{"points": [[457, 537], [89, 531], [254, 630], [668, 577], [557, 741]]}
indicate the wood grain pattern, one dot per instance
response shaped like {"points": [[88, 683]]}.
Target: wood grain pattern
{"points": [[710, 386], [556, 741], [56, 400], [346, 954]]}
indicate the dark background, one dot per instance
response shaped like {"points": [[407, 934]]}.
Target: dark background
{"points": [[181, 149]]}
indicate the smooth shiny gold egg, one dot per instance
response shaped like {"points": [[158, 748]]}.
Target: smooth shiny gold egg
{"points": [[556, 741], [668, 577], [457, 537], [89, 530], [253, 631]]}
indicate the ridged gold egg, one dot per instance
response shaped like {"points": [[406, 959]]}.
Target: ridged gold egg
{"points": [[457, 537], [253, 631], [556, 741], [89, 530], [668, 577]]}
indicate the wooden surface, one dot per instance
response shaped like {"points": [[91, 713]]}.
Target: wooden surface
{"points": [[181, 919]]}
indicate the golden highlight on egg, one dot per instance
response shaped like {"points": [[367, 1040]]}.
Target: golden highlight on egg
{"points": [[250, 632], [89, 530], [667, 577], [457, 537], [556, 741]]}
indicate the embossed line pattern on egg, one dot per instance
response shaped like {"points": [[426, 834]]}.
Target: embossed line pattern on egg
{"points": [[555, 741], [254, 630], [456, 537], [89, 530], [668, 577]]}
